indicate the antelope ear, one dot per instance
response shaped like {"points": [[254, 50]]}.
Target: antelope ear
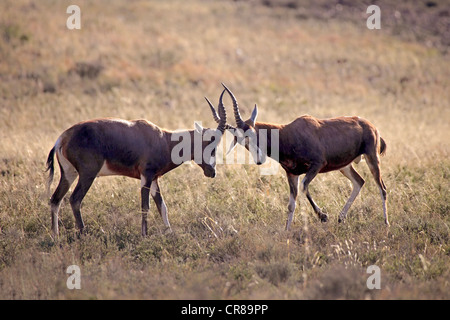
{"points": [[254, 115], [198, 127]]}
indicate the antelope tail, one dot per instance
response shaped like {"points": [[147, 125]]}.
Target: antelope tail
{"points": [[50, 167], [383, 147]]}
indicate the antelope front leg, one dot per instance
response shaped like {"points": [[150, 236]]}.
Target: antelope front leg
{"points": [[145, 205], [310, 174], [293, 187], [322, 216], [160, 204]]}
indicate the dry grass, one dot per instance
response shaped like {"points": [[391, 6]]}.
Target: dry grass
{"points": [[156, 60]]}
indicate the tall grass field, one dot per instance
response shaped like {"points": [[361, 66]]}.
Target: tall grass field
{"points": [[156, 60]]}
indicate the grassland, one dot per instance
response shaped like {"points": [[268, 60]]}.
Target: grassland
{"points": [[156, 60]]}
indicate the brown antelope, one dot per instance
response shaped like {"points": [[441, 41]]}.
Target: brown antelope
{"points": [[137, 149], [311, 146]]}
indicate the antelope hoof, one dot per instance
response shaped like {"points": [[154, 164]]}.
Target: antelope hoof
{"points": [[82, 229], [79, 233]]}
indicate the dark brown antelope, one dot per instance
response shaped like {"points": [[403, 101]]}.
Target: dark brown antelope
{"points": [[310, 146], [137, 149]]}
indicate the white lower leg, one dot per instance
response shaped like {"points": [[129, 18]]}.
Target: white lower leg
{"points": [[357, 184], [348, 204], [383, 198], [54, 210], [291, 209], [165, 216], [154, 189]]}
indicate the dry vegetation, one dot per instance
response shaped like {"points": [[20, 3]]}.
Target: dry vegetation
{"points": [[156, 60]]}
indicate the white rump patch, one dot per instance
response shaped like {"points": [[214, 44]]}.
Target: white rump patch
{"points": [[69, 170]]}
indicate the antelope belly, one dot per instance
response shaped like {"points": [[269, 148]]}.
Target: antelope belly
{"points": [[106, 171], [110, 169]]}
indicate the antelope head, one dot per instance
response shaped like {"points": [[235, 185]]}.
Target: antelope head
{"points": [[246, 133], [211, 139]]}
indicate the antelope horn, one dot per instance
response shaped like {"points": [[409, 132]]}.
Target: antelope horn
{"points": [[239, 122], [222, 114], [214, 113]]}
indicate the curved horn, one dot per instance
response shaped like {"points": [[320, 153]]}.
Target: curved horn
{"points": [[237, 115], [214, 113], [216, 117], [222, 114]]}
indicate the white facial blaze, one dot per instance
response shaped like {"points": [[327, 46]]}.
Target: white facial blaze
{"points": [[209, 150], [251, 143], [212, 162]]}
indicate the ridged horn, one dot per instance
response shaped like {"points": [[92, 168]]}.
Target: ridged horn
{"points": [[237, 116], [222, 114], [216, 117], [214, 113]]}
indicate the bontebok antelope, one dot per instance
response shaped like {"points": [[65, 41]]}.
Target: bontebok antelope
{"points": [[137, 149], [310, 146]]}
